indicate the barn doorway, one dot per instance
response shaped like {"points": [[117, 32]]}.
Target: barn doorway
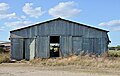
{"points": [[23, 48], [54, 46]]}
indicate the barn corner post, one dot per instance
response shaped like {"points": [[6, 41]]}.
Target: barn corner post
{"points": [[67, 36]]}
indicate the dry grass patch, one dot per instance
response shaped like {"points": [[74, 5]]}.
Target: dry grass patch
{"points": [[4, 57], [91, 61]]}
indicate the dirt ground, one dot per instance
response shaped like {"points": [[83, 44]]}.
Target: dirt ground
{"points": [[23, 69]]}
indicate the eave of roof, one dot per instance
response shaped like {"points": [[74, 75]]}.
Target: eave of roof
{"points": [[58, 19]]}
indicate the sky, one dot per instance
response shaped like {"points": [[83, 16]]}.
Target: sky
{"points": [[104, 14]]}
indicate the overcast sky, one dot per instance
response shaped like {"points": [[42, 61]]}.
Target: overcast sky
{"points": [[103, 14]]}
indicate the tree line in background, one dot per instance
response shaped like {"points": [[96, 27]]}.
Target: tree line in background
{"points": [[114, 47]]}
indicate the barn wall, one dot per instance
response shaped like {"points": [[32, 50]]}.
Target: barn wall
{"points": [[17, 49], [19, 45], [30, 48], [42, 47], [66, 46], [74, 38], [58, 27], [77, 44]]}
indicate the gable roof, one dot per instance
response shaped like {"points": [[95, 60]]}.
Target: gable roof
{"points": [[59, 19]]}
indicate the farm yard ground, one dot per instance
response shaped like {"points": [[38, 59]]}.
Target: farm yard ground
{"points": [[26, 69], [83, 65]]}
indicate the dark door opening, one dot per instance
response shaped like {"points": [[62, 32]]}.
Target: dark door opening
{"points": [[54, 46], [23, 48]]}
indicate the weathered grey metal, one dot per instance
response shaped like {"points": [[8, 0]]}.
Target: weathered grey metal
{"points": [[66, 45], [77, 44], [43, 47], [17, 49], [74, 38]]}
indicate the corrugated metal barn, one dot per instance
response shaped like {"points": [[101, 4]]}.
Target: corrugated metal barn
{"points": [[56, 38]]}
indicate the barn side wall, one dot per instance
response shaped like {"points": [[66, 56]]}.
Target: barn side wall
{"points": [[74, 38]]}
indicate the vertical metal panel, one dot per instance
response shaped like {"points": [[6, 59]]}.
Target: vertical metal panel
{"points": [[28, 32], [68, 28], [17, 49], [18, 45], [43, 46], [103, 45], [65, 45], [77, 45], [12, 49], [32, 32], [70, 45], [90, 45], [71, 30], [32, 48], [24, 33], [85, 44], [62, 27], [29, 48], [94, 45], [57, 27]]}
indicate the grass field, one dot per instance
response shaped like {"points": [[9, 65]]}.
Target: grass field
{"points": [[114, 53]]}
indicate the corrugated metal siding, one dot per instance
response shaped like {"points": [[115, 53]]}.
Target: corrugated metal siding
{"points": [[42, 47], [17, 49], [65, 45], [93, 40], [29, 48], [32, 48], [59, 27], [77, 45], [94, 45], [18, 45]]}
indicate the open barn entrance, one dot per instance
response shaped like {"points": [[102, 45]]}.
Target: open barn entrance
{"points": [[23, 48], [54, 46]]}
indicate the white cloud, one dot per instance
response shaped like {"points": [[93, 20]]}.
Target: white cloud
{"points": [[2, 28], [64, 9], [32, 12], [4, 7], [23, 17], [18, 24], [10, 16], [112, 25]]}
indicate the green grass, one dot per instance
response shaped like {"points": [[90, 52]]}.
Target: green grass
{"points": [[114, 53]]}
